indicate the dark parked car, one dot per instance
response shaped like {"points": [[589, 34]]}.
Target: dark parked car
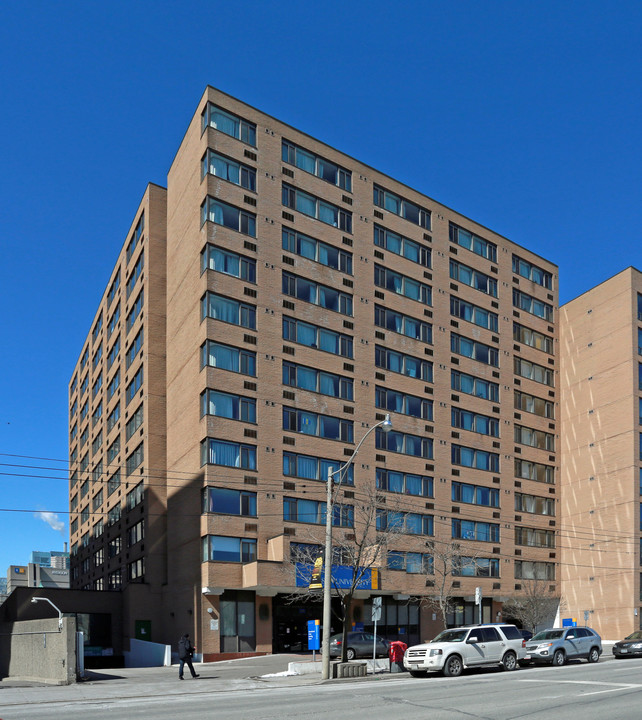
{"points": [[526, 634], [360, 644], [631, 646]]}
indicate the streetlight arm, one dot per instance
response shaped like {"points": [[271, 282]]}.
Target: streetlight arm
{"points": [[36, 599], [386, 423]]}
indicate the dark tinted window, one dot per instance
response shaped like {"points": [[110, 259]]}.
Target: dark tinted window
{"points": [[511, 632], [489, 634]]}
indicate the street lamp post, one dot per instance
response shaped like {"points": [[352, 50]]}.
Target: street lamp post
{"points": [[44, 599], [385, 425]]}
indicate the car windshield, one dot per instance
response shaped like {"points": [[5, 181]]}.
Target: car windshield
{"points": [[637, 635], [451, 636], [548, 635]]}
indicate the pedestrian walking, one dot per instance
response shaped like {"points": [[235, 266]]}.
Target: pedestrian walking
{"points": [[185, 653]]}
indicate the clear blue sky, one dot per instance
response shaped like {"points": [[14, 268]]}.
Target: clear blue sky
{"points": [[523, 116]]}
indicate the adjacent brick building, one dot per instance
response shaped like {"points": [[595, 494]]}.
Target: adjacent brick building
{"points": [[265, 311], [601, 479]]}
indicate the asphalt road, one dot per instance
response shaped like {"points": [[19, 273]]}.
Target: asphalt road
{"points": [[608, 689]]}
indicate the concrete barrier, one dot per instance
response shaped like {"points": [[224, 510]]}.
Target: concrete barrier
{"points": [[38, 651], [348, 669]]}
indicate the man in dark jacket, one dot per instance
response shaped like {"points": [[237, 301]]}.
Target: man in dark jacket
{"points": [[185, 652]]}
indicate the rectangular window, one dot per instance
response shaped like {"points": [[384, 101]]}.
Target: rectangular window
{"points": [[134, 460], [113, 288], [228, 263], [113, 353], [405, 522], [84, 385], [226, 357], [404, 443], [97, 355], [402, 285], [315, 293], [410, 562], [84, 359], [403, 324], [136, 570], [135, 496], [228, 454], [534, 504], [307, 378], [481, 352], [472, 242], [135, 533], [229, 502], [317, 337], [135, 347], [535, 372], [227, 169], [474, 278], [471, 385], [98, 383], [97, 414], [226, 405], [532, 272], [97, 328], [221, 213], [475, 494], [134, 386], [97, 500], [134, 422], [135, 274], [476, 567], [534, 471], [534, 537], [531, 404], [472, 530], [473, 458], [534, 438], [316, 165], [113, 450], [114, 547], [527, 570], [315, 468], [533, 339], [316, 208], [398, 402], [403, 246], [399, 206], [532, 305], [115, 580], [311, 423], [313, 511], [403, 364], [96, 531], [227, 310], [136, 237], [230, 124], [112, 485], [135, 311], [316, 250], [474, 422], [404, 483], [474, 314], [113, 385], [221, 548]]}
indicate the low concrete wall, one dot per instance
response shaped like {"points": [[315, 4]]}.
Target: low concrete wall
{"points": [[37, 650], [147, 654]]}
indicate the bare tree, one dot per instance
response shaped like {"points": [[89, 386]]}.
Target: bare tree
{"points": [[536, 605], [448, 560], [358, 551]]}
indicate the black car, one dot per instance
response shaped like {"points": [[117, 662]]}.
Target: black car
{"points": [[360, 644], [526, 634], [631, 646]]}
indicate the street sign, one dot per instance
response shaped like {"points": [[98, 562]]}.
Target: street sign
{"points": [[314, 635], [376, 609], [478, 596]]}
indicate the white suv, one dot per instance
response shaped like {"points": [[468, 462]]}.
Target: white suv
{"points": [[473, 646]]}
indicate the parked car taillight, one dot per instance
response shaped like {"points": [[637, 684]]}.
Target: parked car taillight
{"points": [[523, 643]]}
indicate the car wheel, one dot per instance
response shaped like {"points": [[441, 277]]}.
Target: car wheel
{"points": [[418, 673], [559, 658], [509, 661], [351, 654], [453, 667], [594, 655]]}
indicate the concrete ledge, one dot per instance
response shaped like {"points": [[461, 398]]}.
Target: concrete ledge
{"points": [[309, 667], [348, 669]]}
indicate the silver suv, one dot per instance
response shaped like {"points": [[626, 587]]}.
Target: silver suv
{"points": [[472, 646], [557, 645]]}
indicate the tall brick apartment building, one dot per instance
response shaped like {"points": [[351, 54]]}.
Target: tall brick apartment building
{"points": [[601, 479], [265, 311]]}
